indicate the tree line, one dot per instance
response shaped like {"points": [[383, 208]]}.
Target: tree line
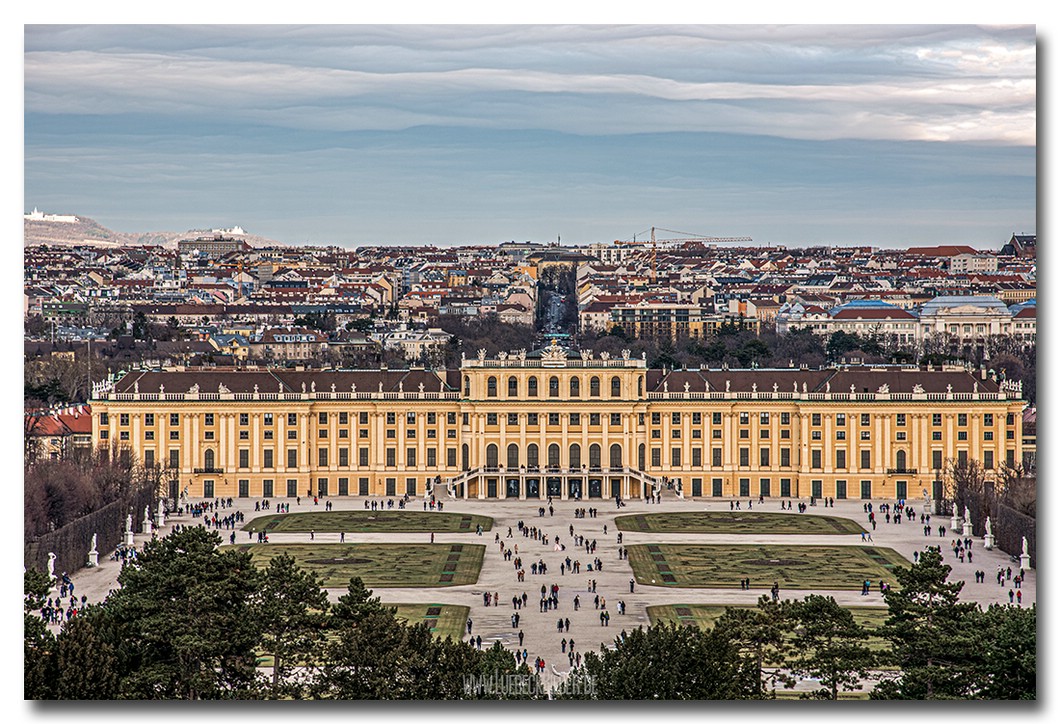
{"points": [[192, 620]]}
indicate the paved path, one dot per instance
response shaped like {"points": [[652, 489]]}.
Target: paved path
{"points": [[541, 636]]}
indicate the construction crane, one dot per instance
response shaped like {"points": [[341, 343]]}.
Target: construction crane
{"points": [[684, 238]]}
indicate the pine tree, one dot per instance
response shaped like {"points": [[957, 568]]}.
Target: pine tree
{"points": [[935, 642], [831, 646], [291, 608], [763, 637], [39, 667], [1008, 639]]}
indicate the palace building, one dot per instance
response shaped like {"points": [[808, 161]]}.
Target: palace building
{"points": [[554, 423]]}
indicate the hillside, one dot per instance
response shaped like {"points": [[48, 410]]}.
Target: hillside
{"points": [[87, 231]]}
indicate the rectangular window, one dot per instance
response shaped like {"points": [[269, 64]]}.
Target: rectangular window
{"points": [[675, 418], [866, 435], [362, 418], [815, 419], [322, 457], [553, 418], [988, 419], [675, 434], [841, 459], [785, 418], [815, 459], [656, 418], [962, 434], [763, 487], [344, 457], [715, 434], [292, 458], [962, 419], [267, 488], [292, 488], [745, 457], [841, 489], [763, 457], [410, 486], [656, 457], [988, 459], [362, 457], [123, 419], [866, 459], [899, 436], [697, 418], [208, 435], [840, 434], [513, 418], [936, 435], [594, 418], [865, 419], [840, 419], [988, 435], [292, 418], [322, 433], [267, 418], [410, 418], [432, 418], [244, 458], [344, 434], [391, 457], [322, 418], [936, 460], [207, 488], [410, 433], [815, 435], [432, 457], [785, 434], [763, 433], [763, 418], [344, 419], [715, 418], [616, 419], [936, 420], [785, 457], [491, 418], [899, 419], [531, 419], [866, 489], [266, 456], [268, 434], [715, 457], [410, 457], [174, 459], [244, 434], [450, 457], [745, 487], [697, 457], [745, 418], [344, 486], [149, 419], [391, 418], [174, 418], [149, 435], [149, 458]]}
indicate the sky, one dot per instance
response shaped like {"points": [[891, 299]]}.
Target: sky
{"points": [[384, 134]]}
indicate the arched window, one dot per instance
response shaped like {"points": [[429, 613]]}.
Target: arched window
{"points": [[491, 387], [513, 387], [491, 456], [467, 386], [594, 456], [575, 387], [616, 456], [513, 456], [553, 386], [207, 460], [640, 387], [531, 456], [553, 455], [616, 387], [594, 387], [465, 458], [575, 456], [640, 456], [531, 387], [899, 459]]}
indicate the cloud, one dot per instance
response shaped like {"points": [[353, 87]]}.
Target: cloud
{"points": [[917, 83]]}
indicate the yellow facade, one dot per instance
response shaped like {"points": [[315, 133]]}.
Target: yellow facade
{"points": [[528, 426]]}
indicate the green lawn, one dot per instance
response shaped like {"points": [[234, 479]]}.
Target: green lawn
{"points": [[737, 523], [380, 565], [370, 521], [705, 615], [445, 619], [792, 566]]}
